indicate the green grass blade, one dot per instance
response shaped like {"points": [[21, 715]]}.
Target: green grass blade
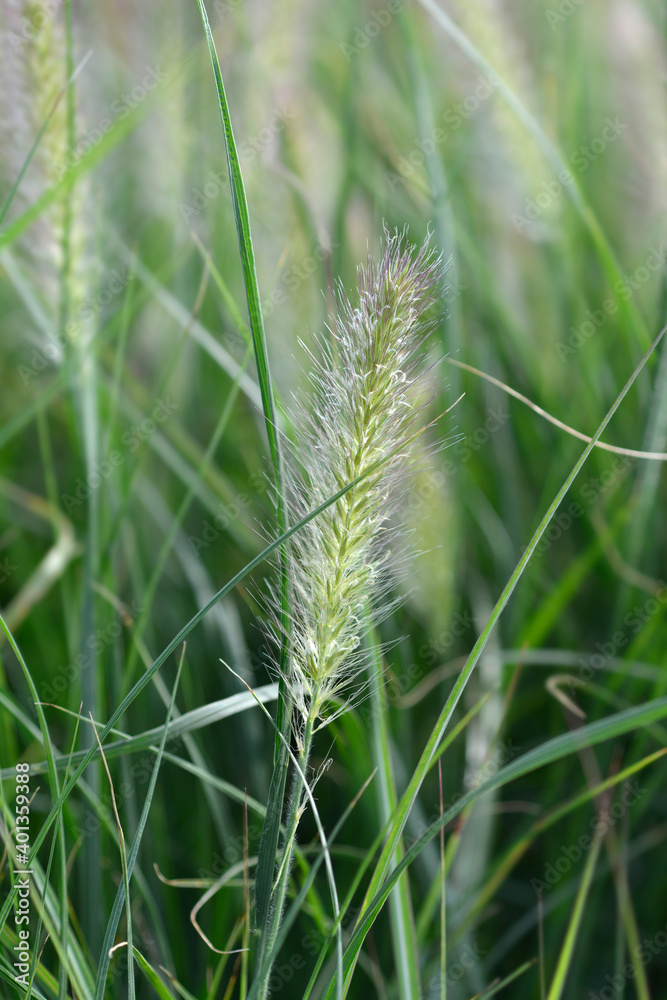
{"points": [[567, 951], [151, 975], [227, 296], [125, 883], [173, 307], [497, 987], [247, 252], [270, 833], [268, 847], [403, 934], [167, 545], [188, 722], [444, 222]]}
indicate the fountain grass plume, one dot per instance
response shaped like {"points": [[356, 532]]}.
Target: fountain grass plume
{"points": [[33, 73], [364, 403]]}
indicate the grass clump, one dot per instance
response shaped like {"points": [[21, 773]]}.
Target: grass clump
{"points": [[146, 254]]}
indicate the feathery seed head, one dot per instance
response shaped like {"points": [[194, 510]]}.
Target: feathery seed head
{"points": [[32, 76], [362, 409]]}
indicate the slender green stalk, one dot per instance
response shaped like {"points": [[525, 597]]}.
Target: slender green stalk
{"points": [[443, 897], [295, 810], [270, 832], [404, 939], [565, 958]]}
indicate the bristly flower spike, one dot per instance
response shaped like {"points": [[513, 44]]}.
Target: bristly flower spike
{"points": [[363, 407]]}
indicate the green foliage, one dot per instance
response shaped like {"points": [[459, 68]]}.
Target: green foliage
{"points": [[147, 254]]}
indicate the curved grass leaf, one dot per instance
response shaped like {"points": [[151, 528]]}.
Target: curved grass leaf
{"points": [[197, 718]]}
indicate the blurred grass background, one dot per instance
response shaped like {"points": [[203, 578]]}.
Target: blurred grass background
{"points": [[123, 303]]}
